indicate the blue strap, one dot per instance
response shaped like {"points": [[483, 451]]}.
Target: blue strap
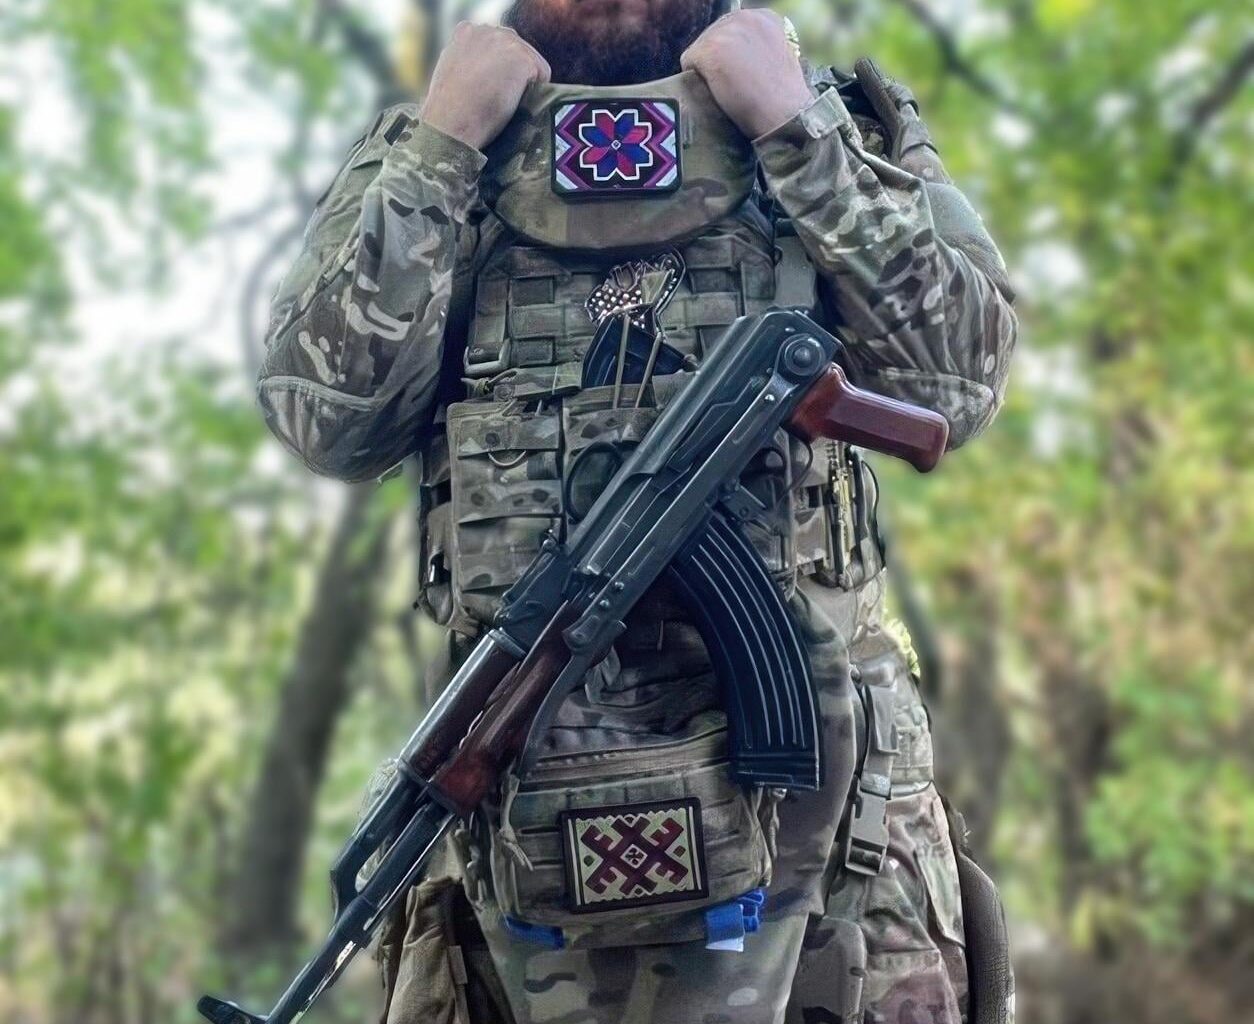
{"points": [[541, 934], [727, 924], [725, 927]]}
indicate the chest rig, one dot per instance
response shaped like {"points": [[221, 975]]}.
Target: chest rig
{"points": [[559, 255]]}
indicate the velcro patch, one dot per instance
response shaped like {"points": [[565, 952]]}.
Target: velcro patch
{"points": [[633, 855], [611, 147]]}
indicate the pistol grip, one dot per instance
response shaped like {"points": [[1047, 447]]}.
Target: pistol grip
{"points": [[835, 409]]}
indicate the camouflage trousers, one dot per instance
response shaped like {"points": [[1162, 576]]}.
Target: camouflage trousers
{"points": [[444, 964]]}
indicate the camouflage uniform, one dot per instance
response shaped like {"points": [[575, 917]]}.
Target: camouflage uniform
{"points": [[407, 281]]}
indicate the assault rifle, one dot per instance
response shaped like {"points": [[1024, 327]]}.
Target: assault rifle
{"points": [[673, 507]]}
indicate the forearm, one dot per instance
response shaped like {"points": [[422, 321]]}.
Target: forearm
{"points": [[906, 270], [356, 337]]}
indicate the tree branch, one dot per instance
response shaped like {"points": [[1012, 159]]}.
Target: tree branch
{"points": [[367, 47], [235, 222], [316, 688], [432, 14], [1208, 107], [957, 64]]}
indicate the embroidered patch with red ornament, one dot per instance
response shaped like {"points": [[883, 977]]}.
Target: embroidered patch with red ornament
{"points": [[611, 147], [634, 855]]}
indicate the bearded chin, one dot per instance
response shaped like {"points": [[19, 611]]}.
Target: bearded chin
{"points": [[581, 53]]}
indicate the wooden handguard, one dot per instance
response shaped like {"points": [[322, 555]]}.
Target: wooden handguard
{"points": [[835, 409], [496, 736]]}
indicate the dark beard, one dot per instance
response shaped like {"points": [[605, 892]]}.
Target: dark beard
{"points": [[626, 57]]}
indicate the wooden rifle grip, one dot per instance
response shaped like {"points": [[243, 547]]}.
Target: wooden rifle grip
{"points": [[835, 409]]}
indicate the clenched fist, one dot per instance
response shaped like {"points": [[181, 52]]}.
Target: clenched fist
{"points": [[751, 69], [478, 82]]}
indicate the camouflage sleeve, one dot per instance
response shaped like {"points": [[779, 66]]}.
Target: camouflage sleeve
{"points": [[907, 271], [356, 336]]}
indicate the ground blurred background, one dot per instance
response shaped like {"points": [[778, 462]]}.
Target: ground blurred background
{"points": [[204, 651]]}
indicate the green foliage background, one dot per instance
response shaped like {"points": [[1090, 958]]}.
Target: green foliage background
{"points": [[1086, 565]]}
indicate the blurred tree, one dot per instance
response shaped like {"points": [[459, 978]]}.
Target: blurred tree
{"points": [[152, 571], [314, 693]]}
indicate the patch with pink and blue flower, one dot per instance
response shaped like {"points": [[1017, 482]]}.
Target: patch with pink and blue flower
{"points": [[608, 147]]}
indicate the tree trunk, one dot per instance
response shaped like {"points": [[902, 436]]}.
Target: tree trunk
{"points": [[1074, 707], [263, 914], [972, 733]]}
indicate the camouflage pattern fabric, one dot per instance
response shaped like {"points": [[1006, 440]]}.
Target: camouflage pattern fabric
{"points": [[910, 914], [355, 344], [930, 311], [641, 978], [356, 341], [357, 370]]}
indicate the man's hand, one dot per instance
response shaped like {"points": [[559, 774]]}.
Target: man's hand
{"points": [[478, 82], [750, 67]]}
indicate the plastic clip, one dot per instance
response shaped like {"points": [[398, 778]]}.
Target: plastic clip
{"points": [[866, 840]]}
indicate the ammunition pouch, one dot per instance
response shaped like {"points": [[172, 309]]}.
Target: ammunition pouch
{"points": [[540, 837], [511, 456]]}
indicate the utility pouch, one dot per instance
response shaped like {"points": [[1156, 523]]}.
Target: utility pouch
{"points": [[506, 494], [511, 470], [628, 838], [424, 972], [598, 437], [830, 978]]}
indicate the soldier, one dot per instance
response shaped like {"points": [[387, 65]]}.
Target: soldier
{"points": [[457, 284]]}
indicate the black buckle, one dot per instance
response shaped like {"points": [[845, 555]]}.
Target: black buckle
{"points": [[866, 839], [866, 842]]}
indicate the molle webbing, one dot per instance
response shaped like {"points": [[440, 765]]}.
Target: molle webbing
{"points": [[529, 303]]}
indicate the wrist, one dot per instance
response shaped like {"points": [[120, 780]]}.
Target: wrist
{"points": [[784, 107], [431, 155], [444, 119], [821, 116]]}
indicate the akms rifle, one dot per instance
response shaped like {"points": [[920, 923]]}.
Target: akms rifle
{"points": [[673, 507]]}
